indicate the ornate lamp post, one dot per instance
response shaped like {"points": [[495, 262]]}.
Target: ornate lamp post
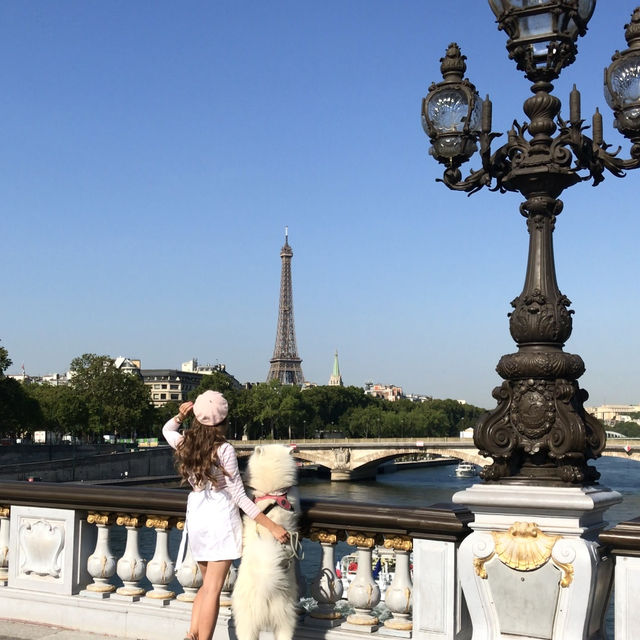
{"points": [[539, 432], [532, 568]]}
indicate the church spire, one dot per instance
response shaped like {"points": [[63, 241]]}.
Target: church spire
{"points": [[336, 379]]}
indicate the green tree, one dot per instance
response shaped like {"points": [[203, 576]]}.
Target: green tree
{"points": [[216, 381], [629, 429], [20, 414], [63, 408], [5, 361], [117, 402]]}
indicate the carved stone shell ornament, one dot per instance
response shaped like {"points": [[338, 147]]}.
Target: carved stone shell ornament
{"points": [[524, 546]]}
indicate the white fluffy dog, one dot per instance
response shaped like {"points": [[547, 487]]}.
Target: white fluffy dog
{"points": [[265, 593]]}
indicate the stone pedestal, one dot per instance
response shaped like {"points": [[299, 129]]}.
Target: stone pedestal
{"points": [[533, 568], [48, 550]]}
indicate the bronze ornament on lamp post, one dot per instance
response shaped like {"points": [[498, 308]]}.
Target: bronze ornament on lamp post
{"points": [[539, 433]]}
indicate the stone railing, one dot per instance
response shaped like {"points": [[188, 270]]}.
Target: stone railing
{"points": [[623, 541], [102, 559]]}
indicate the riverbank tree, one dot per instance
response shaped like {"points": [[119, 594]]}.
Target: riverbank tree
{"points": [[275, 411], [101, 399]]}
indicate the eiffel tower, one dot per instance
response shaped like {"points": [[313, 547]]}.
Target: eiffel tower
{"points": [[285, 363]]}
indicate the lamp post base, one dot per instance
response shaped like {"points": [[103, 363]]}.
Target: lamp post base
{"points": [[533, 568]]}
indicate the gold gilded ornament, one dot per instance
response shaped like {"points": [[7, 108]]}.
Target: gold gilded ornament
{"points": [[100, 518], [128, 520], [478, 565], [361, 539], [524, 546], [158, 522], [398, 543], [567, 573], [324, 536]]}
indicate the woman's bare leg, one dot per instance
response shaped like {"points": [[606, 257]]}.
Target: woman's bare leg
{"points": [[205, 607], [195, 608]]}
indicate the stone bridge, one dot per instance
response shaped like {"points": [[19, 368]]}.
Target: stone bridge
{"points": [[357, 459], [345, 459]]}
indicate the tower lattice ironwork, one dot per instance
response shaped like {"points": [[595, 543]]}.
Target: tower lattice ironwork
{"points": [[285, 363]]}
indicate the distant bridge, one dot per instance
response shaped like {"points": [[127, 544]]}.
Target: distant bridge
{"points": [[356, 459], [345, 459]]}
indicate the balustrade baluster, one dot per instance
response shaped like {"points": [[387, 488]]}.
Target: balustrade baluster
{"points": [[160, 567], [326, 588], [397, 597], [4, 545], [131, 567], [188, 573], [363, 593], [101, 564]]}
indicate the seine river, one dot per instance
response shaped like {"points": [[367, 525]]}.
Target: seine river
{"points": [[425, 486]]}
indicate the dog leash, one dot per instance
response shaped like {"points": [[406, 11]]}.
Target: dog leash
{"points": [[295, 546]]}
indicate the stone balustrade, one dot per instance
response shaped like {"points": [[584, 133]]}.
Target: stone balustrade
{"points": [[71, 555], [623, 541]]}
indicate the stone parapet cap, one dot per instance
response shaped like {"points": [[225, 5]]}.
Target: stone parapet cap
{"points": [[624, 538], [562, 499], [565, 510]]}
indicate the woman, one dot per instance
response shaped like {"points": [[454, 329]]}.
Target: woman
{"points": [[213, 528]]}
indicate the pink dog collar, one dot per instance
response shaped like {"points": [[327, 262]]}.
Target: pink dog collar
{"points": [[280, 500]]}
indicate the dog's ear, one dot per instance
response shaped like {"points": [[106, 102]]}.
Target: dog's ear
{"points": [[258, 450]]}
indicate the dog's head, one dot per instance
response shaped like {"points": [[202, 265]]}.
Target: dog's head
{"points": [[270, 468]]}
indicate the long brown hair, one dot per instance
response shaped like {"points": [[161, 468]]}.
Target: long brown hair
{"points": [[197, 454]]}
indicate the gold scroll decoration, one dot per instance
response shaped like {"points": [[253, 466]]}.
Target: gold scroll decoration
{"points": [[4, 512], [103, 519], [398, 543], [159, 522], [129, 520], [361, 539], [478, 565], [324, 536], [567, 572]]}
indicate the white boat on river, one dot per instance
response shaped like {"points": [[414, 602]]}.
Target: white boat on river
{"points": [[466, 470]]}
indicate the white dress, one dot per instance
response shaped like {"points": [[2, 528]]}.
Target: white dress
{"points": [[213, 527]]}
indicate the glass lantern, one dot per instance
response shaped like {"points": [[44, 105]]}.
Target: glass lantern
{"points": [[622, 82], [542, 33], [451, 112]]}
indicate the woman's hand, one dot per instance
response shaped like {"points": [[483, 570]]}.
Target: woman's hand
{"points": [[277, 531], [183, 412], [280, 533]]}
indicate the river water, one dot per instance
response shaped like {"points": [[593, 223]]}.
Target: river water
{"points": [[426, 486]]}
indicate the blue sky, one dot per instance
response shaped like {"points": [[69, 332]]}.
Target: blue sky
{"points": [[153, 152]]}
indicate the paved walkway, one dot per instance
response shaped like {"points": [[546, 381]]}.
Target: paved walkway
{"points": [[23, 631]]}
